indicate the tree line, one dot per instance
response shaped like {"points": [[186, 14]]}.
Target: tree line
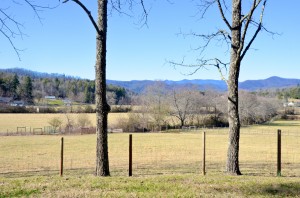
{"points": [[33, 89], [293, 93], [16, 88], [160, 107]]}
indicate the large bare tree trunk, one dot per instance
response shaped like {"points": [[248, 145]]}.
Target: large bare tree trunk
{"points": [[102, 108], [232, 166]]}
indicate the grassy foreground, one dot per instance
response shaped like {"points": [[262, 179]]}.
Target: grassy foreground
{"points": [[212, 185]]}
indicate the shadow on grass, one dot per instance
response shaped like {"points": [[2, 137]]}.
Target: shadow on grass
{"points": [[280, 124], [79, 171], [290, 189]]}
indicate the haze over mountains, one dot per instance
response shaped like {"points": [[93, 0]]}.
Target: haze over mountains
{"points": [[219, 85], [139, 85]]}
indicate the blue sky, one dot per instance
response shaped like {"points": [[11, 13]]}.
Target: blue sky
{"points": [[65, 42]]}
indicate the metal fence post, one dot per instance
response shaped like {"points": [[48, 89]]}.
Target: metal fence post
{"points": [[62, 157], [279, 153], [203, 160], [130, 155]]}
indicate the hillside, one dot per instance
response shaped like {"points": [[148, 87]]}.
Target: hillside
{"points": [[29, 86], [35, 74]]}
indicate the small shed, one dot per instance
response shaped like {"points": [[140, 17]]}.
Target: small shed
{"points": [[50, 97]]}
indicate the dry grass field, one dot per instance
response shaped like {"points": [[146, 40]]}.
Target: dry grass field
{"points": [[10, 122], [157, 153], [164, 165]]}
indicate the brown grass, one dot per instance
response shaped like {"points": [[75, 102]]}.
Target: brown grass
{"points": [[164, 165], [10, 122], [157, 153]]}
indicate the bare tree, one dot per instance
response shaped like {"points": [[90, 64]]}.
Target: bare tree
{"points": [[155, 103], [102, 107], [182, 101], [69, 123], [248, 107], [56, 123], [239, 40], [257, 109]]}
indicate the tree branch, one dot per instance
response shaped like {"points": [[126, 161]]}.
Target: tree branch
{"points": [[205, 6], [35, 9], [256, 32], [245, 30], [4, 24], [203, 63], [116, 5], [117, 8], [222, 14], [208, 38], [12, 44], [145, 15], [249, 15], [10, 28], [89, 15]]}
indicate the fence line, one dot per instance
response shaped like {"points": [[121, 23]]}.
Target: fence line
{"points": [[152, 153]]}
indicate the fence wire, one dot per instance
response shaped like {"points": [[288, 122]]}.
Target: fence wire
{"points": [[153, 153]]}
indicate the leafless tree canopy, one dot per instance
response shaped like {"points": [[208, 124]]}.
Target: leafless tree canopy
{"points": [[250, 26], [10, 25]]}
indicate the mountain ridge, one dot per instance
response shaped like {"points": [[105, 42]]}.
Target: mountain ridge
{"points": [[202, 84]]}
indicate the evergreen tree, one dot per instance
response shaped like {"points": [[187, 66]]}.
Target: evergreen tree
{"points": [[89, 92], [27, 90], [14, 86]]}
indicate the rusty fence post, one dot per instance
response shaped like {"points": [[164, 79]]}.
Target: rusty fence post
{"points": [[279, 153], [130, 155]]}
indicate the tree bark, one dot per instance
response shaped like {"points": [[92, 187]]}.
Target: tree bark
{"points": [[232, 166], [102, 108]]}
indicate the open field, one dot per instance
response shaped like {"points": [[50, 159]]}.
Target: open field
{"points": [[10, 122], [164, 165], [157, 153]]}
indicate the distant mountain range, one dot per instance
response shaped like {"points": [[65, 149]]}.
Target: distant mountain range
{"points": [[219, 85], [269, 83], [139, 85]]}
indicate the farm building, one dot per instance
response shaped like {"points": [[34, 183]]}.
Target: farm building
{"points": [[50, 97]]}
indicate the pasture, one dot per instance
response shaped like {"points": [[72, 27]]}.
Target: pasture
{"points": [[164, 165], [10, 122]]}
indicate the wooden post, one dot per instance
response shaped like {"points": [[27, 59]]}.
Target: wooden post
{"points": [[62, 157], [203, 160], [130, 155], [279, 153]]}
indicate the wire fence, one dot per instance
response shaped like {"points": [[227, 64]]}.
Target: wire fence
{"points": [[152, 153]]}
